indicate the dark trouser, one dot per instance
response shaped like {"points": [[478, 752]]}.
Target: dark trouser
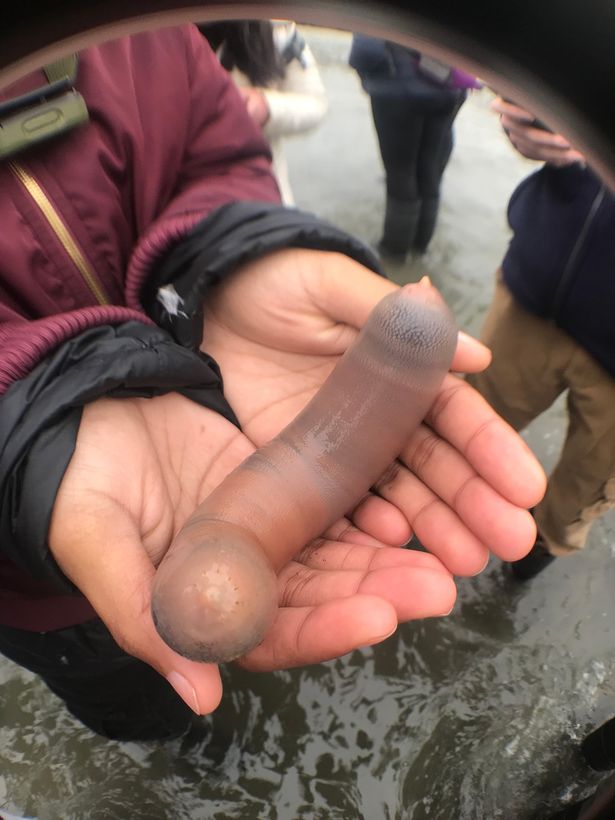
{"points": [[416, 140], [112, 693]]}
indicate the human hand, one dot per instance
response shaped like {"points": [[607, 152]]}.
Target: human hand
{"points": [[532, 142], [277, 328], [256, 104], [140, 468], [347, 590]]}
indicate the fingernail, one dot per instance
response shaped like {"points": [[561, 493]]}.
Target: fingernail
{"points": [[425, 281], [484, 567], [185, 690], [379, 638], [471, 340]]}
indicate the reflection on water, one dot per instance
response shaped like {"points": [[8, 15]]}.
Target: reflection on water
{"points": [[471, 717]]}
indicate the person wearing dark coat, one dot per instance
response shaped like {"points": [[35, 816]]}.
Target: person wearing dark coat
{"points": [[551, 330], [414, 101]]}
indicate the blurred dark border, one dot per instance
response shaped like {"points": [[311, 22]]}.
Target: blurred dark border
{"points": [[555, 56]]}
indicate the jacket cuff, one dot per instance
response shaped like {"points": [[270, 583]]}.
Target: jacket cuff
{"points": [[41, 415], [234, 234]]}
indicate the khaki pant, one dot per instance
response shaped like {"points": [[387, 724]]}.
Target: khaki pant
{"points": [[533, 363]]}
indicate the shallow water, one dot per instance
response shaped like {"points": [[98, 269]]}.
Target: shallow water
{"points": [[475, 716]]}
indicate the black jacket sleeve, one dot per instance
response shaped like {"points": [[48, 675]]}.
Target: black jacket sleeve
{"points": [[41, 415], [230, 236]]}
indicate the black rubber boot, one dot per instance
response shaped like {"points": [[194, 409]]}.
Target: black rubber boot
{"points": [[427, 223], [400, 226], [537, 559], [598, 748]]}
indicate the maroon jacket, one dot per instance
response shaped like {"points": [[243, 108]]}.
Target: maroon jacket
{"points": [[168, 185], [168, 142]]}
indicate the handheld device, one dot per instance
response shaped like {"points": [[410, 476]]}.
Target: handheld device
{"points": [[43, 113]]}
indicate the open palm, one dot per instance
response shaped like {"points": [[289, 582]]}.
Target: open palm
{"points": [[140, 468], [450, 484]]}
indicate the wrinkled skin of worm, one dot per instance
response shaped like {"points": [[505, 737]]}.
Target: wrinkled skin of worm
{"points": [[215, 592]]}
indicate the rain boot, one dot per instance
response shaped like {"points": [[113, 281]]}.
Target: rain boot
{"points": [[400, 224], [537, 559], [598, 748], [427, 223]]}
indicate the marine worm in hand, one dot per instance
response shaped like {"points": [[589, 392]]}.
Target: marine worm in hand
{"points": [[215, 592]]}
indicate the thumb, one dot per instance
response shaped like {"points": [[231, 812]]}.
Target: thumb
{"points": [[348, 291], [344, 289], [103, 556]]}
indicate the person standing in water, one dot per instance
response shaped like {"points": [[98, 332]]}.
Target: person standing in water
{"points": [[414, 101]]}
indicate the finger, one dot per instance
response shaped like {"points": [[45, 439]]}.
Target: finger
{"points": [[551, 154], [471, 356], [436, 524], [539, 150], [325, 554], [413, 590], [344, 530], [569, 158], [306, 635], [103, 556], [382, 520], [504, 107], [535, 136], [461, 416], [505, 528], [345, 290]]}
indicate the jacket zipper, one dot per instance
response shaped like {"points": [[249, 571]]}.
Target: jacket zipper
{"points": [[59, 228], [563, 285]]}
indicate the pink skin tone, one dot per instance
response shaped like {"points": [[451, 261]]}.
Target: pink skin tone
{"points": [[534, 143], [215, 592]]}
